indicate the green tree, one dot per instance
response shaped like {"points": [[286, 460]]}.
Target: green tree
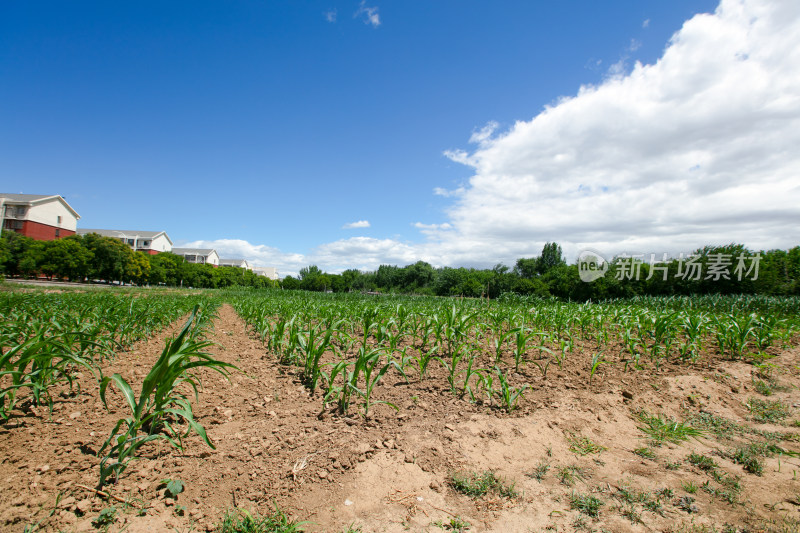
{"points": [[111, 257], [552, 257], [67, 258]]}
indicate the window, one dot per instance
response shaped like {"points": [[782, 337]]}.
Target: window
{"points": [[58, 231], [58, 219]]}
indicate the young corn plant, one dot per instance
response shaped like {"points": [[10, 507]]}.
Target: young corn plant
{"points": [[422, 361], [369, 365], [312, 346], [161, 405], [37, 364], [468, 375], [508, 394], [597, 360], [452, 367]]}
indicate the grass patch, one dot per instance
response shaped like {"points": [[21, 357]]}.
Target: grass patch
{"points": [[477, 485], [645, 452], [689, 486], [663, 429], [585, 504], [242, 521], [750, 461], [766, 411], [703, 462], [568, 475], [583, 445], [762, 387], [728, 490], [673, 466], [455, 524], [539, 471], [686, 504]]}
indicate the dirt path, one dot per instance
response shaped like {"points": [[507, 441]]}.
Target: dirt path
{"points": [[391, 473]]}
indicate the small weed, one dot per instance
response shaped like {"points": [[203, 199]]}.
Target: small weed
{"points": [[241, 521], [632, 514], [666, 493], [645, 452], [583, 445], [673, 466], [703, 462], [748, 458], [585, 504], [729, 488], [477, 485], [455, 524], [173, 486], [105, 519], [686, 503], [568, 475], [540, 470], [689, 487], [762, 387], [662, 429], [654, 506], [766, 411]]}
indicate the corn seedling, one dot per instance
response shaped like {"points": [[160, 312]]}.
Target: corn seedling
{"points": [[160, 403], [508, 394]]}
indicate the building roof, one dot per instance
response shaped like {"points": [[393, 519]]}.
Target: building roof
{"points": [[193, 251], [34, 199], [125, 233], [232, 261]]}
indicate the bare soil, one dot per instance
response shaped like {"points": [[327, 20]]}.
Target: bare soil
{"points": [[391, 472]]}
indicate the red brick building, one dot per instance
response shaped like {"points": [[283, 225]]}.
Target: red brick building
{"points": [[40, 217]]}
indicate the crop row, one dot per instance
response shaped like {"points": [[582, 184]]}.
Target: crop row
{"points": [[347, 343]]}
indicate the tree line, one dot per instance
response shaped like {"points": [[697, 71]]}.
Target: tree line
{"points": [[729, 269], [96, 257]]}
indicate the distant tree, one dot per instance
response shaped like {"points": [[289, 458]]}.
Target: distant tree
{"points": [[526, 267], [138, 268], [111, 257], [290, 283], [551, 257], [68, 258], [417, 276], [16, 246]]}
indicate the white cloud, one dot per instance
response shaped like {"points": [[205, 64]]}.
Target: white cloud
{"points": [[357, 224], [698, 148], [370, 15], [330, 15], [439, 191], [646, 23], [484, 135]]}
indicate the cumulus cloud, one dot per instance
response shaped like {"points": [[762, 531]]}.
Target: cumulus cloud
{"points": [[256, 254], [369, 15], [363, 253], [357, 224], [330, 15], [697, 148], [694, 149]]}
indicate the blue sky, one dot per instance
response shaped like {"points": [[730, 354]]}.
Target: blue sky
{"points": [[264, 128]]}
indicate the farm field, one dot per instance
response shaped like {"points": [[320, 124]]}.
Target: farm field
{"points": [[364, 413]]}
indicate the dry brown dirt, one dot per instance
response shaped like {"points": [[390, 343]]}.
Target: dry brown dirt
{"points": [[391, 472]]}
